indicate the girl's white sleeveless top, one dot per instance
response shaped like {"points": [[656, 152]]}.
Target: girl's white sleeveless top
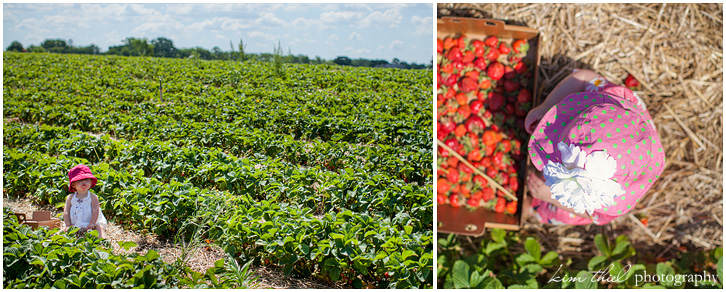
{"points": [[81, 212]]}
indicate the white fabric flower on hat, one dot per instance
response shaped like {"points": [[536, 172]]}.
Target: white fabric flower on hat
{"points": [[582, 182]]}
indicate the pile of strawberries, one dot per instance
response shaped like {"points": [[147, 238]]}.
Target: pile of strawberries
{"points": [[483, 98]]}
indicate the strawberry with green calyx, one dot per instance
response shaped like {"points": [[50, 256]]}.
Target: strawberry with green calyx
{"points": [[631, 82], [454, 200], [475, 106], [520, 46], [455, 55], [481, 63], [492, 54], [501, 205], [504, 49], [495, 70], [520, 68], [468, 84], [491, 41], [475, 124], [511, 207]]}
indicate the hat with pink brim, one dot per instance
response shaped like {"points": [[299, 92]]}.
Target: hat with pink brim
{"points": [[599, 152], [80, 172]]}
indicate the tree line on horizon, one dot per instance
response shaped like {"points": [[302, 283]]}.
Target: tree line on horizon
{"points": [[164, 48]]}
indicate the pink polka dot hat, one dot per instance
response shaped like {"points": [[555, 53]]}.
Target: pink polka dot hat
{"points": [[599, 152]]}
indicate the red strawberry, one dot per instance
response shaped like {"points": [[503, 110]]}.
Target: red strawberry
{"points": [[510, 85], [462, 167], [491, 172], [520, 46], [460, 131], [513, 183], [462, 42], [480, 180], [491, 137], [520, 110], [468, 57], [480, 63], [454, 200], [520, 68], [442, 186], [474, 155], [461, 98], [524, 96], [485, 84], [449, 43], [503, 48], [439, 46], [511, 207], [491, 41], [451, 80], [468, 84], [495, 70], [496, 101], [477, 44], [631, 82], [500, 206], [488, 194], [475, 124], [492, 55], [508, 72], [474, 202], [453, 175], [475, 106], [441, 199], [464, 111], [455, 54]]}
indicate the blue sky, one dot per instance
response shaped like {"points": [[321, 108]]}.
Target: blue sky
{"points": [[371, 31]]}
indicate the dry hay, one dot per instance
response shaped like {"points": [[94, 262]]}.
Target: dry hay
{"points": [[676, 52], [199, 259]]}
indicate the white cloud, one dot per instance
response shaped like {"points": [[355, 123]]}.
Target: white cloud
{"points": [[262, 35], [359, 51], [396, 45], [333, 38], [422, 25], [340, 16], [268, 18], [355, 36], [381, 48], [390, 18]]}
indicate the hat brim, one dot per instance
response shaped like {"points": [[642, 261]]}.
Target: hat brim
{"points": [[81, 177]]}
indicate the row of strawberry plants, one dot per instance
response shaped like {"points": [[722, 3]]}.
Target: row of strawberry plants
{"points": [[274, 107], [408, 162], [382, 245], [51, 259], [503, 260], [256, 177]]}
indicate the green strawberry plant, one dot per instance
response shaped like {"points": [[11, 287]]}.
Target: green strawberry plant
{"points": [[495, 264]]}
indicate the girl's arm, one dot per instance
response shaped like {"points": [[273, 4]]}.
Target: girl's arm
{"points": [[95, 208], [67, 212]]}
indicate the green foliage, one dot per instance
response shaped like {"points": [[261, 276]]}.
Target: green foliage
{"points": [[495, 265], [322, 173], [53, 259]]}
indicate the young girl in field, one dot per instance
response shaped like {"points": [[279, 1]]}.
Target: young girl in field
{"points": [[82, 209], [598, 149]]}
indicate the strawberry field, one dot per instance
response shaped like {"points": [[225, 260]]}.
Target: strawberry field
{"points": [[324, 172]]}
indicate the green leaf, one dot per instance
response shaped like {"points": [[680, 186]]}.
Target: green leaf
{"points": [[620, 251], [595, 262], [549, 259], [498, 235], [492, 247], [127, 244], [585, 280], [719, 269], [476, 279], [461, 275], [602, 244], [408, 229], [665, 273], [524, 259], [492, 283], [533, 248]]}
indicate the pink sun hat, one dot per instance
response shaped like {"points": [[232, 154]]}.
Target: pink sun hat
{"points": [[599, 152], [80, 172]]}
